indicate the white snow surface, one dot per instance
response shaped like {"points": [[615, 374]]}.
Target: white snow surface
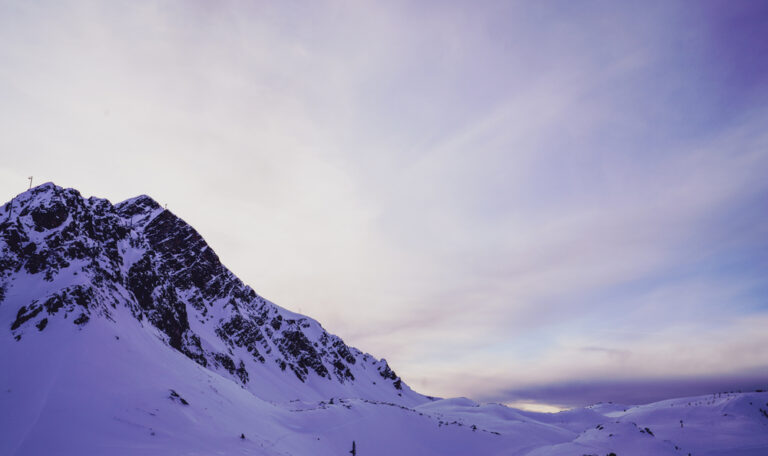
{"points": [[106, 389]]}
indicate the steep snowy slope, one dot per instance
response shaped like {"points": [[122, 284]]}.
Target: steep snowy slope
{"points": [[68, 260], [107, 389]]}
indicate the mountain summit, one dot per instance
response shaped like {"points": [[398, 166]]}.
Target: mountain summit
{"points": [[66, 261]]}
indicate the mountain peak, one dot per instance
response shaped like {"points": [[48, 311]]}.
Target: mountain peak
{"points": [[47, 186], [141, 201], [40, 192], [66, 255], [139, 210], [43, 207]]}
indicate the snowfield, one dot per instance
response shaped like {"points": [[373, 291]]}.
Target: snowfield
{"points": [[118, 389]]}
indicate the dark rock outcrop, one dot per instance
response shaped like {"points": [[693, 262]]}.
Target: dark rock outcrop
{"points": [[97, 256]]}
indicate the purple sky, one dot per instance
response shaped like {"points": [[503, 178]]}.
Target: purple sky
{"points": [[552, 202]]}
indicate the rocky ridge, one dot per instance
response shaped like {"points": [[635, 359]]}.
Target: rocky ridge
{"points": [[65, 259]]}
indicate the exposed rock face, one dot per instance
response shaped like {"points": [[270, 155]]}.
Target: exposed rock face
{"points": [[88, 257]]}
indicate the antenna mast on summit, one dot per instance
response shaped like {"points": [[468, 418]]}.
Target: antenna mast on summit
{"points": [[30, 182]]}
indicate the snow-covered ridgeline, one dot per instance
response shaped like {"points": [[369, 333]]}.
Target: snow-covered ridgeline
{"points": [[65, 257]]}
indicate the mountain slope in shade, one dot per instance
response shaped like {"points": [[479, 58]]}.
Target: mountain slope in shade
{"points": [[68, 260], [122, 334]]}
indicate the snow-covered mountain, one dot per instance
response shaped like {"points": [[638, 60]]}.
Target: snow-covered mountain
{"points": [[121, 333], [67, 260]]}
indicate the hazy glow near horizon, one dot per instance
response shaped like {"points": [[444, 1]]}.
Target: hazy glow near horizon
{"points": [[508, 201]]}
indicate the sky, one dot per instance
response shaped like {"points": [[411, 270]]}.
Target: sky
{"points": [[537, 203]]}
